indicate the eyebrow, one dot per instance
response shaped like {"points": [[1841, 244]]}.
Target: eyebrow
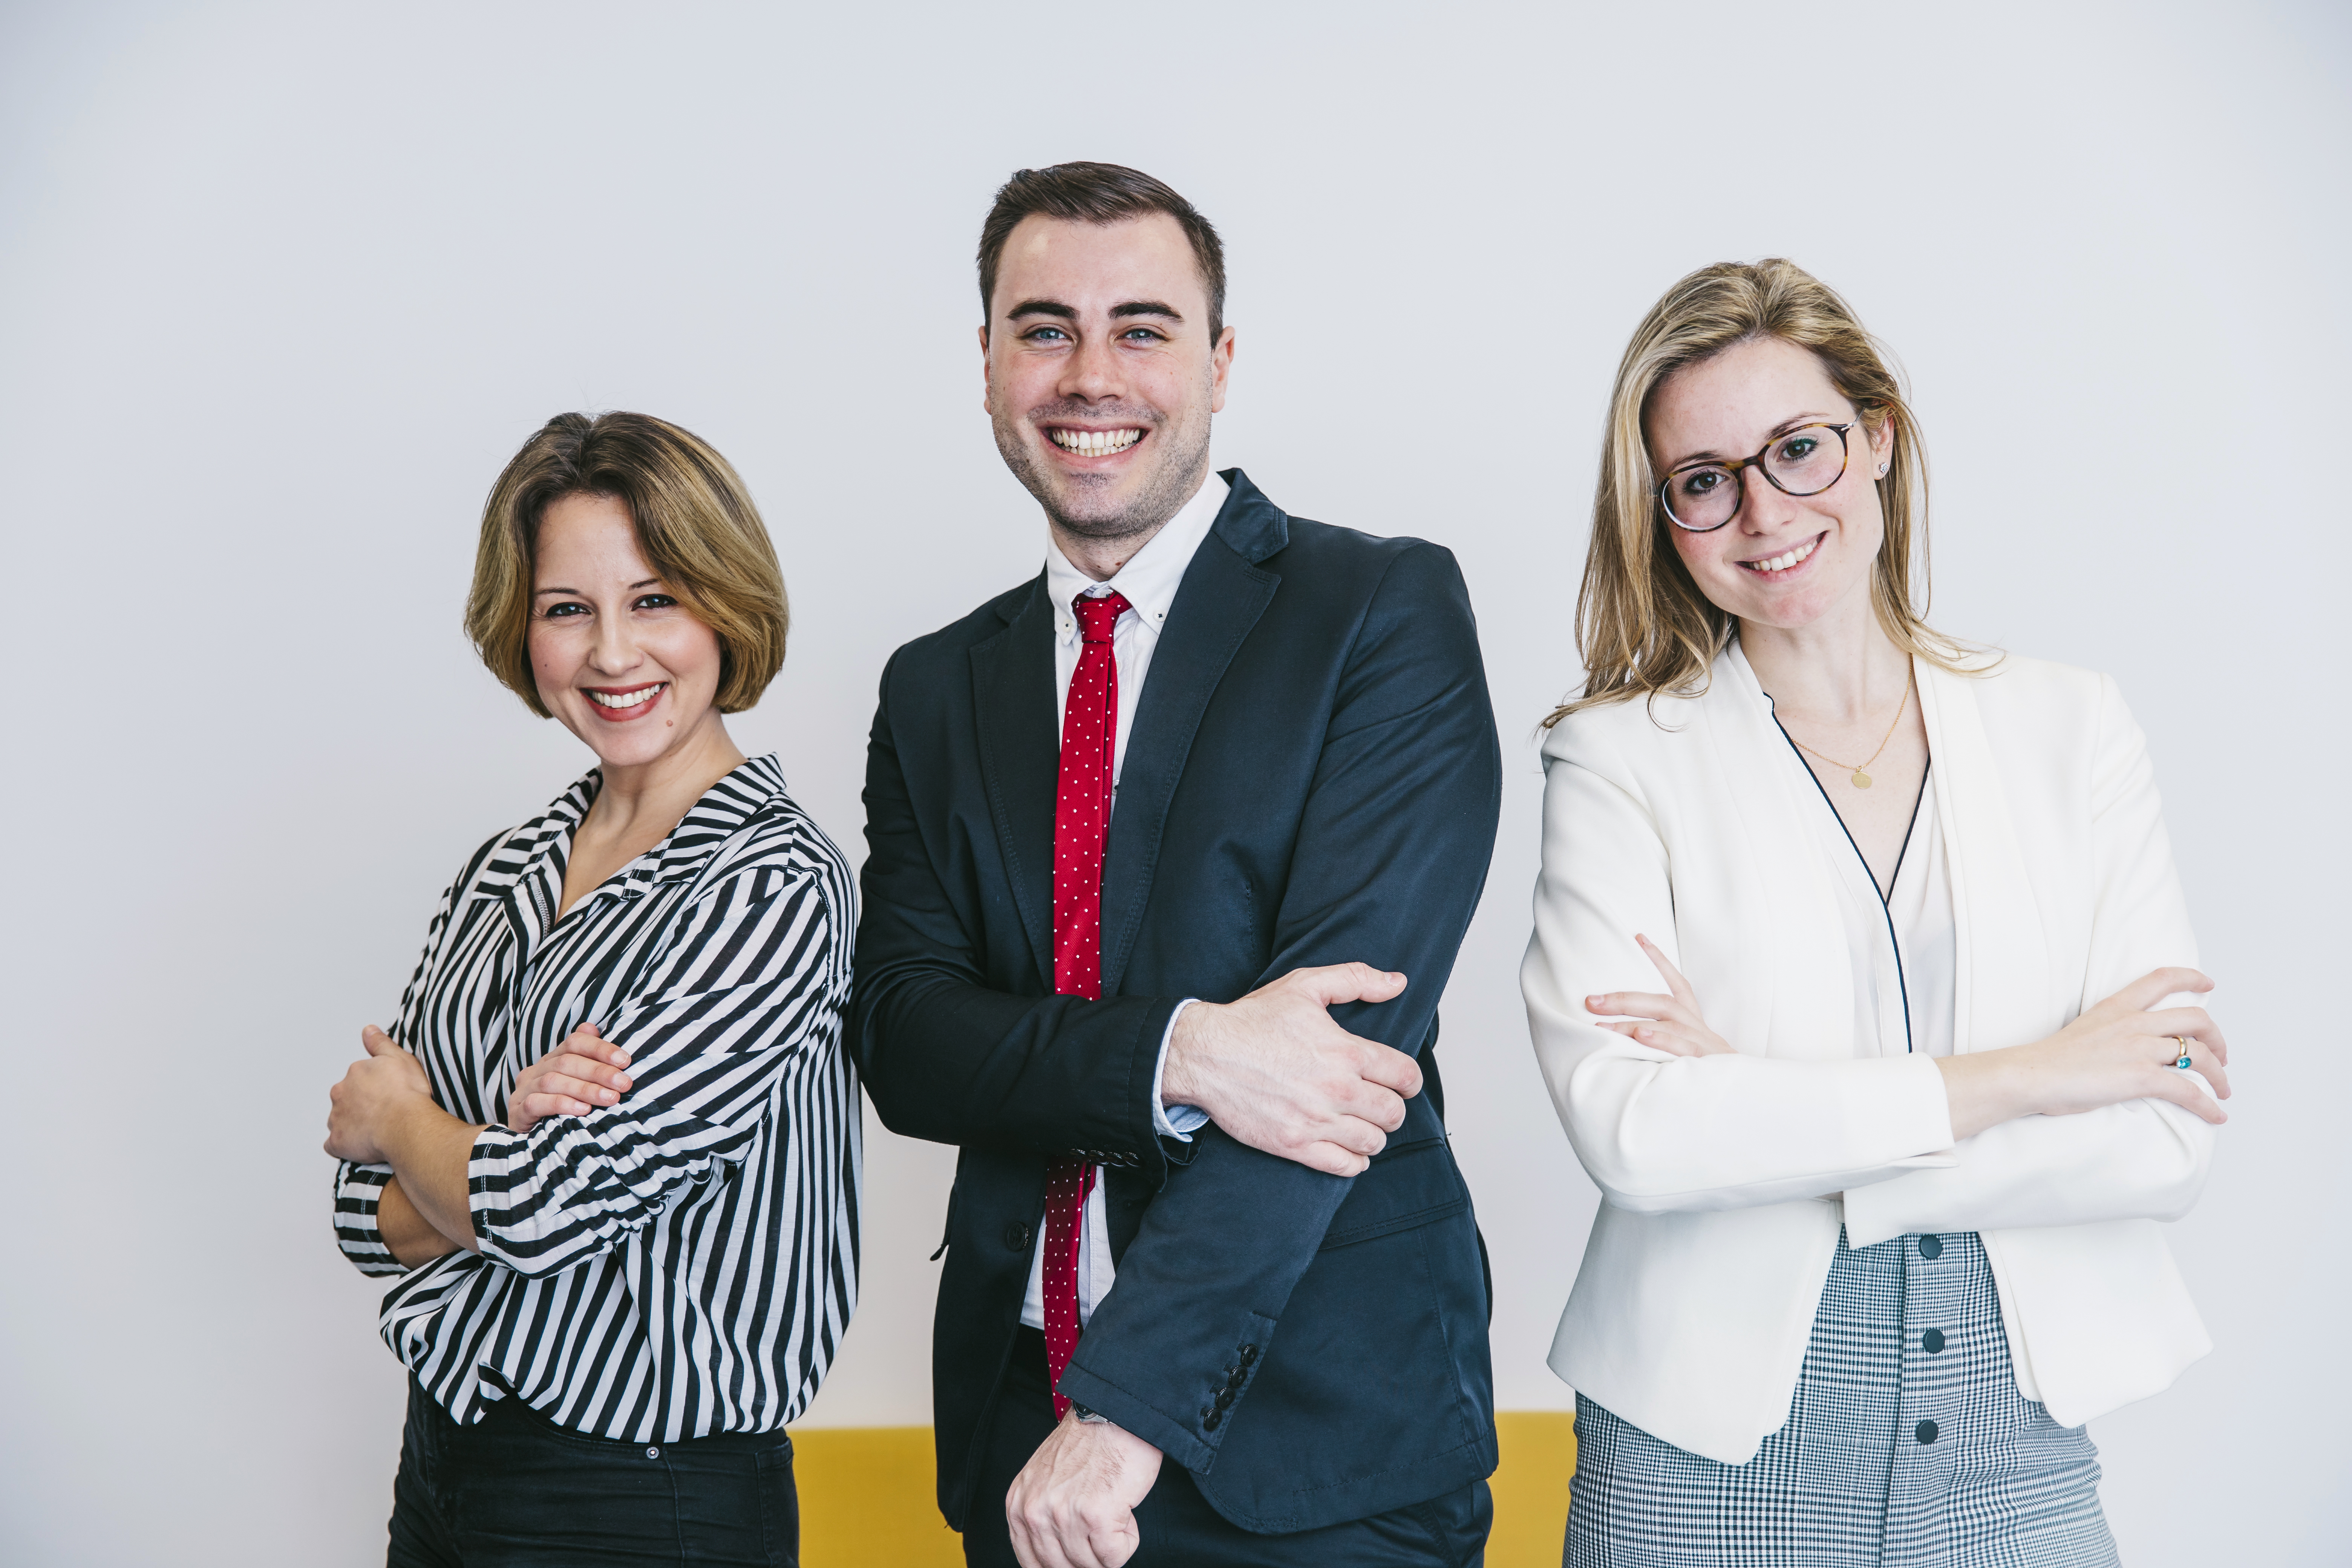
{"points": [[1794, 422], [1118, 311], [582, 592]]}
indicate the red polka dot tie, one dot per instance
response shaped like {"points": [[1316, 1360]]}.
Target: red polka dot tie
{"points": [[1081, 822]]}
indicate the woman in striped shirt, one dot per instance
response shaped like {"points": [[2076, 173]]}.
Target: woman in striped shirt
{"points": [[610, 1146]]}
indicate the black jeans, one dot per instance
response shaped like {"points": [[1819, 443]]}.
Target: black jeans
{"points": [[518, 1491], [1177, 1526]]}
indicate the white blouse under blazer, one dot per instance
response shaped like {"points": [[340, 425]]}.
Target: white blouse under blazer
{"points": [[1726, 1178]]}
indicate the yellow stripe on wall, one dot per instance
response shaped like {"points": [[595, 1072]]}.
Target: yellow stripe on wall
{"points": [[867, 1497]]}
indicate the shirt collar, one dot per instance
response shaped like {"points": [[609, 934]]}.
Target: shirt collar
{"points": [[722, 811], [1150, 578]]}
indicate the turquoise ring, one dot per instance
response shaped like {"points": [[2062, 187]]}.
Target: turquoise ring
{"points": [[2182, 1061]]}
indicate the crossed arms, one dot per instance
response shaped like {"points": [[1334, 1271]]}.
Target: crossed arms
{"points": [[1388, 860]]}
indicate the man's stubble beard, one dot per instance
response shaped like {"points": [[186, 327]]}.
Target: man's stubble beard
{"points": [[1181, 470]]}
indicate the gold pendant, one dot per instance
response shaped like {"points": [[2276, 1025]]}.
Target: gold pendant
{"points": [[1861, 779]]}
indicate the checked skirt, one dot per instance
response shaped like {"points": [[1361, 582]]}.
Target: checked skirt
{"points": [[1907, 1446]]}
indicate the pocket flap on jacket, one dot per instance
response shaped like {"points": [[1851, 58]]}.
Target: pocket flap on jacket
{"points": [[1407, 1186]]}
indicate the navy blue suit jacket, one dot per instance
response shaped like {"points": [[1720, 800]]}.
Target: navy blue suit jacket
{"points": [[1313, 777]]}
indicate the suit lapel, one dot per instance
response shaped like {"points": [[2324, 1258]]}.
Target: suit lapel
{"points": [[1221, 599], [1805, 987], [1020, 752], [2002, 986]]}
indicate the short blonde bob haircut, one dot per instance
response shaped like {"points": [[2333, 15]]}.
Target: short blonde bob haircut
{"points": [[695, 524], [1642, 627]]}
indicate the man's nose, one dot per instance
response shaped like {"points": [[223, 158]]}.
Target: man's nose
{"points": [[1093, 371]]}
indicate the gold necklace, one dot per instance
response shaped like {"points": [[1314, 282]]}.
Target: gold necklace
{"points": [[1861, 779]]}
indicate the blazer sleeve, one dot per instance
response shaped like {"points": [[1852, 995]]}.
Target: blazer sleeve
{"points": [[1390, 857], [2145, 1159], [946, 1058], [1659, 1132]]}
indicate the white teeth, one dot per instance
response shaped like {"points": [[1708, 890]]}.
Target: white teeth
{"points": [[626, 698], [1096, 443], [1784, 562]]}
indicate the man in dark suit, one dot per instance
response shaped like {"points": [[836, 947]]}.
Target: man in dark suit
{"points": [[1172, 848]]}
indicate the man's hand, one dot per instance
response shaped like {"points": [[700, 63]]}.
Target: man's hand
{"points": [[388, 1082], [1073, 1504], [582, 1073], [1278, 1073]]}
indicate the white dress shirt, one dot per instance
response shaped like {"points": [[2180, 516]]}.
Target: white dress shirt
{"points": [[1149, 581]]}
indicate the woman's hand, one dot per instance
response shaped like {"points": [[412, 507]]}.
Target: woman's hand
{"points": [[577, 1076], [375, 1090], [1670, 1022], [2116, 1051]]}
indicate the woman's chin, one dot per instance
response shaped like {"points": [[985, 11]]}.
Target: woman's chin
{"points": [[634, 742]]}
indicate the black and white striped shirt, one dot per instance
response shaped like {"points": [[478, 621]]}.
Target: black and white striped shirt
{"points": [[682, 1263]]}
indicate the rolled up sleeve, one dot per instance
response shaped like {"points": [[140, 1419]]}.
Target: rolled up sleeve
{"points": [[359, 1189]]}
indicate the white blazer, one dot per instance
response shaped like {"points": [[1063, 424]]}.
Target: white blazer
{"points": [[1725, 1177]]}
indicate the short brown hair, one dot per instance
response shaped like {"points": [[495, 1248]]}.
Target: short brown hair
{"points": [[1098, 193], [695, 523]]}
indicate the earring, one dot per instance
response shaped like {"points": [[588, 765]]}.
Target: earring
{"points": [[1882, 470]]}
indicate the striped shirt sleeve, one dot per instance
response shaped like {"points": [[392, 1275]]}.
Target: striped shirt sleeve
{"points": [[748, 982], [359, 1189]]}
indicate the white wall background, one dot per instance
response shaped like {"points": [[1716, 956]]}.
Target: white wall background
{"points": [[281, 287]]}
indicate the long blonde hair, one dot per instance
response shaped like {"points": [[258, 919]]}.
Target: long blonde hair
{"points": [[1642, 627]]}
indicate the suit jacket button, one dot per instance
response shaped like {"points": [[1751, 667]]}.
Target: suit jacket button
{"points": [[1016, 1238], [1209, 1422], [1248, 1354]]}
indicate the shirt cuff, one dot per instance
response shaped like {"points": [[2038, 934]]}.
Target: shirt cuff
{"points": [[359, 1189], [1178, 1121]]}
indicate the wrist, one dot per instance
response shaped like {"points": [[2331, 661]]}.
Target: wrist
{"points": [[405, 1126], [1985, 1088], [1180, 1083]]}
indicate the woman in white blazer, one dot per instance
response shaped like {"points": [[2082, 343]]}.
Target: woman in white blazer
{"points": [[1878, 1062]]}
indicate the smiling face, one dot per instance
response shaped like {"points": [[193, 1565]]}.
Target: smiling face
{"points": [[1782, 560], [626, 666], [1101, 375]]}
